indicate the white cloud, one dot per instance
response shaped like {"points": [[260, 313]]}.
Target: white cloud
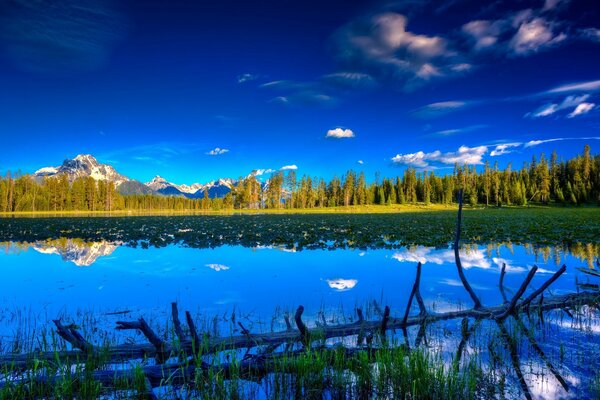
{"points": [[581, 109], [355, 80], [288, 167], [247, 77], [217, 267], [504, 148], [553, 4], [342, 284], [534, 35], [552, 108], [509, 267], [262, 171], [383, 46], [448, 132], [469, 258], [361, 162], [217, 151], [592, 34], [440, 108], [589, 86], [464, 155], [417, 160], [339, 133], [532, 143], [485, 34]]}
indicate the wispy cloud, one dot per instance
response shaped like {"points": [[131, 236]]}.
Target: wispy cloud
{"points": [[422, 160], [570, 102], [383, 46], [592, 34], [217, 151], [262, 171], [361, 162], [247, 77], [589, 86], [339, 133], [534, 35], [504, 148], [581, 109], [456, 131], [532, 143], [438, 109], [48, 36], [289, 167]]}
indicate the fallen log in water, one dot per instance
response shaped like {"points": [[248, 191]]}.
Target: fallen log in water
{"points": [[188, 348]]}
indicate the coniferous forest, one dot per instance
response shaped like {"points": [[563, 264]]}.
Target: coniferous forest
{"points": [[542, 181]]}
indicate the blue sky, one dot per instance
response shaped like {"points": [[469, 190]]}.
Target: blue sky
{"points": [[194, 91]]}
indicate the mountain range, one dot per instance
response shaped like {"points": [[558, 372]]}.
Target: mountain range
{"points": [[86, 165]]}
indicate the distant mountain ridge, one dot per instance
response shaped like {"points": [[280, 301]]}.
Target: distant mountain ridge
{"points": [[86, 165]]}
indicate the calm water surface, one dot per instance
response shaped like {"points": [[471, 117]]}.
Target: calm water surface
{"points": [[75, 280]]}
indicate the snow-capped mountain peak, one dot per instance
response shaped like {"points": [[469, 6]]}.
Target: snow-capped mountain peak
{"points": [[82, 166]]}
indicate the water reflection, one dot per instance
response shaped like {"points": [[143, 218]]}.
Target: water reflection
{"points": [[342, 284], [217, 267], [78, 252], [253, 282]]}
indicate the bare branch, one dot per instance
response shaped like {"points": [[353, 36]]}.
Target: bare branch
{"points": [[511, 306], [176, 322], [461, 274], [546, 284]]}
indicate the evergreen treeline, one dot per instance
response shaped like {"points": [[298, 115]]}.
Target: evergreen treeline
{"points": [[575, 181]]}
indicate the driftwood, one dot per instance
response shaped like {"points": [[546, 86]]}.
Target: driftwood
{"points": [[254, 366]]}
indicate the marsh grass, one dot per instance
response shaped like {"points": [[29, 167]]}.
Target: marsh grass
{"points": [[389, 369]]}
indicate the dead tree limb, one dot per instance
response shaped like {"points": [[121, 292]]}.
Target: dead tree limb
{"points": [[514, 357], [193, 332], [384, 321], [461, 274], [513, 302], [215, 344], [546, 284], [176, 322], [304, 333], [161, 353], [71, 335], [501, 284], [416, 292]]}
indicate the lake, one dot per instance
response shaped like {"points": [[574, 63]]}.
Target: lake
{"points": [[114, 269]]}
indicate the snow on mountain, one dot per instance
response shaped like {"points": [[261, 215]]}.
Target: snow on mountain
{"points": [[85, 165], [82, 166], [46, 171], [158, 182], [218, 188], [80, 254]]}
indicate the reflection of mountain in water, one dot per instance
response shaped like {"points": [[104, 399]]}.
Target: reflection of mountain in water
{"points": [[76, 251]]}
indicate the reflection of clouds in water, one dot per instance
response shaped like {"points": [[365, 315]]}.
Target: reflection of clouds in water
{"points": [[454, 282], [342, 284], [585, 324], [509, 267], [217, 267], [280, 248], [471, 258], [543, 385]]}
